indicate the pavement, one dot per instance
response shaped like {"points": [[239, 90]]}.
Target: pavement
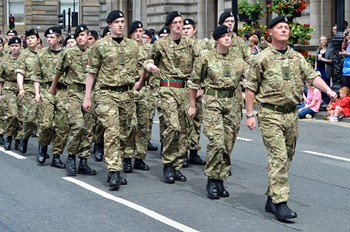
{"points": [[322, 115]]}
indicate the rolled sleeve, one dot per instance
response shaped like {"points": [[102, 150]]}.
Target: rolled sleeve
{"points": [[94, 60]]}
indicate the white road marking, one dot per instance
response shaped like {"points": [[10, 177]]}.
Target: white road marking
{"points": [[327, 156], [11, 153], [157, 122], [244, 139], [132, 205]]}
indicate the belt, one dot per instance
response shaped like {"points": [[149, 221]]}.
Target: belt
{"points": [[121, 89], [47, 85], [61, 86], [281, 109], [75, 86], [173, 83], [220, 93], [27, 81]]}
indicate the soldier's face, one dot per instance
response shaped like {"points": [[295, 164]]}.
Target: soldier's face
{"points": [[176, 25], [116, 27], [10, 35], [82, 38], [32, 41], [229, 22], [14, 48], [163, 35], [225, 40], [280, 32], [137, 34], [146, 39], [71, 43], [53, 39], [188, 30], [91, 40]]}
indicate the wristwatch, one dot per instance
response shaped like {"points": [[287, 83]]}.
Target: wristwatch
{"points": [[250, 116]]}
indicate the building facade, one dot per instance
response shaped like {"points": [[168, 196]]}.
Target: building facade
{"points": [[41, 14]]}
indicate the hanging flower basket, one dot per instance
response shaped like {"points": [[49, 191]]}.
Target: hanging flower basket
{"points": [[248, 12]]}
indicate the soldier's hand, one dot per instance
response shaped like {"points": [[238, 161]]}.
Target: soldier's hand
{"points": [[37, 98], [87, 105], [251, 124], [200, 93], [333, 95], [191, 112], [138, 86], [52, 90], [154, 69], [21, 93]]}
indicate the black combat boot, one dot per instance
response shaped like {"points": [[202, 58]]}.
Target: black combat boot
{"points": [[283, 212], [99, 151], [195, 159], [84, 169], [17, 143], [186, 164], [221, 189], [212, 190], [2, 140], [270, 207], [151, 147], [179, 176], [169, 174], [41, 156], [140, 165], [122, 180], [114, 182], [8, 142], [23, 145], [71, 166], [57, 162], [127, 167]]}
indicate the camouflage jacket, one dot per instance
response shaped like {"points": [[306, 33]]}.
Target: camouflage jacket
{"points": [[7, 69], [279, 79], [27, 65]]}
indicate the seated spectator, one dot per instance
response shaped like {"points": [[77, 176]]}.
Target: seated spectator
{"points": [[346, 54], [311, 103], [253, 44], [341, 107]]}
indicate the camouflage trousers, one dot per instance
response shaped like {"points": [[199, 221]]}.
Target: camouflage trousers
{"points": [[194, 127], [78, 142], [2, 116], [144, 113], [279, 132], [116, 111], [221, 123], [29, 108], [11, 111], [53, 121], [173, 106]]}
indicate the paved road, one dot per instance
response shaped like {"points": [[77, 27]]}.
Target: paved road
{"points": [[34, 198]]}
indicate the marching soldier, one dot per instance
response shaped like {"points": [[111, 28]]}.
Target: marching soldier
{"points": [[2, 113]]}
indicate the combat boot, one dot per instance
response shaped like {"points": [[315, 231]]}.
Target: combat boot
{"points": [[195, 159], [179, 176], [127, 167], [221, 188], [140, 165], [57, 162], [41, 156], [212, 190], [84, 168], [8, 142], [283, 212], [151, 147], [114, 182], [99, 151], [169, 174], [186, 164], [17, 143], [122, 180], [270, 207], [2, 141], [71, 166], [23, 145]]}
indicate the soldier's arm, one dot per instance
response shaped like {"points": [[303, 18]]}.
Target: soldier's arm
{"points": [[90, 79], [20, 79]]}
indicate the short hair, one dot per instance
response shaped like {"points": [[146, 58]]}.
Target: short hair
{"points": [[346, 90], [254, 39]]}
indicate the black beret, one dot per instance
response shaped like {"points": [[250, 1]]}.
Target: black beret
{"points": [[149, 33], [170, 17], [52, 30], [1, 41], [12, 31], [14, 40], [277, 20], [164, 30], [80, 28], [135, 25], [189, 22], [224, 16], [94, 34], [70, 36], [32, 32], [105, 31], [114, 15], [220, 30]]}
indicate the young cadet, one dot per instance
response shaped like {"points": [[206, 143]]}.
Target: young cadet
{"points": [[2, 113], [73, 66]]}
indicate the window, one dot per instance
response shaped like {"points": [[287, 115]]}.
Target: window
{"points": [[16, 9]]}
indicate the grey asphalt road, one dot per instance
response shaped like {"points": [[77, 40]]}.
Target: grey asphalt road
{"points": [[41, 198]]}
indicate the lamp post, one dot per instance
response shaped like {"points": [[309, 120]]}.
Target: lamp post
{"points": [[337, 42]]}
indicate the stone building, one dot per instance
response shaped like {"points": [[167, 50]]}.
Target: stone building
{"points": [[41, 14]]}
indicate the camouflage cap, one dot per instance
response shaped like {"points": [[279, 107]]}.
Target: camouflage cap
{"points": [[12, 31], [170, 17], [80, 28], [278, 19], [135, 25], [113, 15], [53, 30], [224, 16], [15, 40], [32, 32], [220, 30]]}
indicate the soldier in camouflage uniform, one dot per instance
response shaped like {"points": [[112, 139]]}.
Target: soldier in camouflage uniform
{"points": [[114, 60], [53, 120], [276, 77], [29, 100], [73, 66], [194, 124], [174, 56], [9, 34], [2, 113], [219, 72], [9, 91]]}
